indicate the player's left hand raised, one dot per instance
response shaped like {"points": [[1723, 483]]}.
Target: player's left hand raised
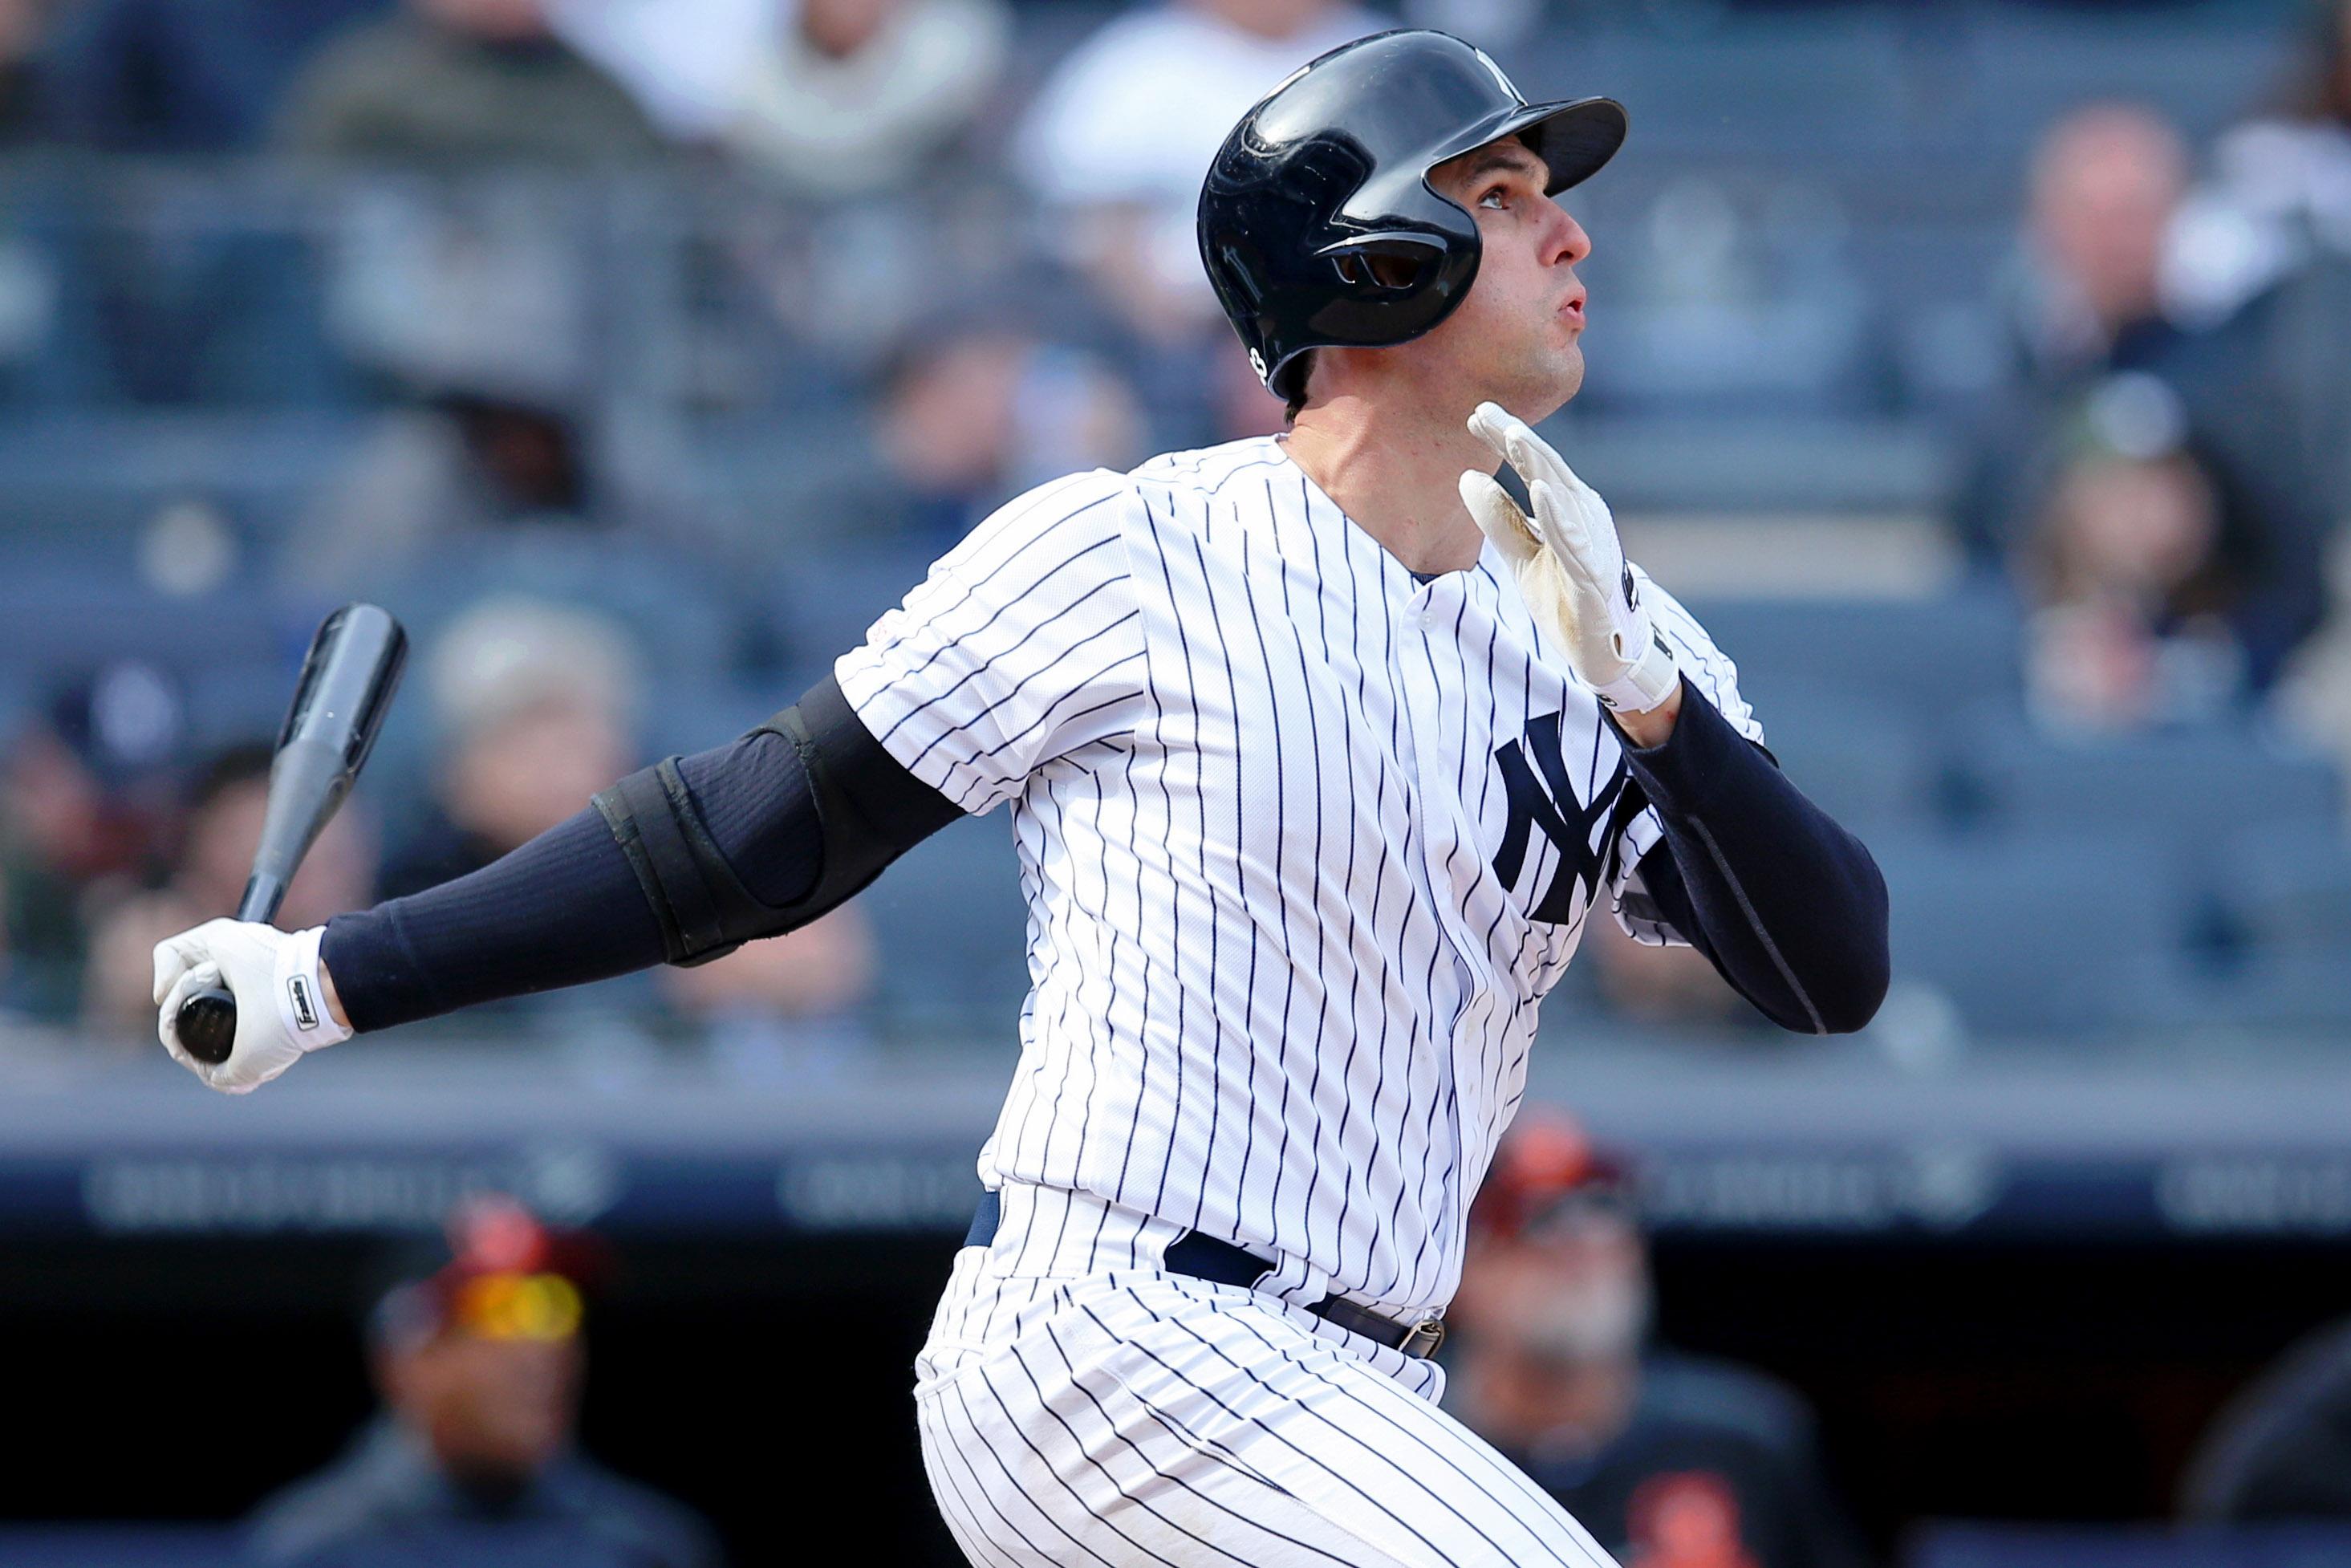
{"points": [[1571, 569]]}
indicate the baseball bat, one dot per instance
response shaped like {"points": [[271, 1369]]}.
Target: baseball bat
{"points": [[339, 701]]}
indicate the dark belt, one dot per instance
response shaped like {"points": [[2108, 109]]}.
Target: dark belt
{"points": [[1206, 1258]]}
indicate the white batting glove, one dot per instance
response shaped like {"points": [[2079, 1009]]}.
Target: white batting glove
{"points": [[281, 1005], [1571, 569]]}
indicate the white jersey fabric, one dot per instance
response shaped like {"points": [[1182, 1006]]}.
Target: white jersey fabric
{"points": [[1305, 841], [1263, 785]]}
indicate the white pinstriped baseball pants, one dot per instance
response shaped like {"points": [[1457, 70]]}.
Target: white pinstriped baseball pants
{"points": [[1079, 1406]]}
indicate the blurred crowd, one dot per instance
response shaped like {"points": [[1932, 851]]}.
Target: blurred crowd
{"points": [[916, 256]]}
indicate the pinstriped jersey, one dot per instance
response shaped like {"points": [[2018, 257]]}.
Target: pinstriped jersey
{"points": [[1305, 840]]}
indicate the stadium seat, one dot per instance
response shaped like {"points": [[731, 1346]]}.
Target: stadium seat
{"points": [[2029, 65], [1832, 79], [2287, 887], [823, 603], [691, 714], [2276, 995], [953, 932], [2181, 782], [1862, 761], [1924, 658], [2031, 935], [62, 624]]}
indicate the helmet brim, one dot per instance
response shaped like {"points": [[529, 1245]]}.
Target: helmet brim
{"points": [[1573, 138]]}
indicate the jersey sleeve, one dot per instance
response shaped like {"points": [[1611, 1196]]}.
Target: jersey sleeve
{"points": [[1709, 669], [1022, 645]]}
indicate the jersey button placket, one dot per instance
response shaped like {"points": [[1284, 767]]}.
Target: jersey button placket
{"points": [[1432, 721]]}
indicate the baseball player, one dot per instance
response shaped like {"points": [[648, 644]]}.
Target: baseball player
{"points": [[1320, 750]]}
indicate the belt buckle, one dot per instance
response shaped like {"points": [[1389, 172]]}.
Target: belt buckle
{"points": [[1426, 1336]]}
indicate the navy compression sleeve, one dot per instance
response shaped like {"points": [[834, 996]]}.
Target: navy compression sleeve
{"points": [[566, 908], [1788, 905]]}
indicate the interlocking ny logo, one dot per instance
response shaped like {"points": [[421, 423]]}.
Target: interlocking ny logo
{"points": [[1567, 823]]}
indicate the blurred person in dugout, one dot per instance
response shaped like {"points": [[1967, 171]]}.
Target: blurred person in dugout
{"points": [[473, 1459], [1669, 1461], [534, 705], [2094, 335], [219, 827], [85, 796], [2281, 1450]]}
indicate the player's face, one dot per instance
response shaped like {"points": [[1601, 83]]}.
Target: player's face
{"points": [[1517, 338]]}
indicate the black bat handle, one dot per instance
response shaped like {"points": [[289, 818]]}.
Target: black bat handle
{"points": [[207, 1025], [207, 1022]]}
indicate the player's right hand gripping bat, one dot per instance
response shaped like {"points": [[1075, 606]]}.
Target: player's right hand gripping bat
{"points": [[338, 705]]}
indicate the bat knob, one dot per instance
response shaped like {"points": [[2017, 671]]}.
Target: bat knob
{"points": [[207, 1025]]}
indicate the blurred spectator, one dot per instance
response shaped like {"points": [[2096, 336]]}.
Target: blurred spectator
{"points": [[534, 706], [2282, 1450], [973, 416], [789, 1009], [850, 97], [85, 791], [221, 828], [684, 61], [2126, 629], [457, 83], [475, 1459], [169, 76], [2080, 302], [1670, 1461], [2265, 246], [1120, 137], [2091, 343], [2279, 195], [463, 467], [500, 462]]}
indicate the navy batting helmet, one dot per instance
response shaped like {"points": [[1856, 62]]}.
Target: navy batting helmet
{"points": [[1328, 176]]}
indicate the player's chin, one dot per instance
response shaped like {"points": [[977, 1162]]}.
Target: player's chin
{"points": [[1558, 377], [1570, 370]]}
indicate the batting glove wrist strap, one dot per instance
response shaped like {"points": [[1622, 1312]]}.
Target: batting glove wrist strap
{"points": [[301, 996]]}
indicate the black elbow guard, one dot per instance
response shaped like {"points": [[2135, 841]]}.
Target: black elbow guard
{"points": [[809, 823]]}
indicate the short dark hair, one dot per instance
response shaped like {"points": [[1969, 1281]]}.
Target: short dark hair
{"points": [[1302, 369]]}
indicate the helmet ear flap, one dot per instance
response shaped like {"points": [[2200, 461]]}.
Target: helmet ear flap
{"points": [[1395, 261]]}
